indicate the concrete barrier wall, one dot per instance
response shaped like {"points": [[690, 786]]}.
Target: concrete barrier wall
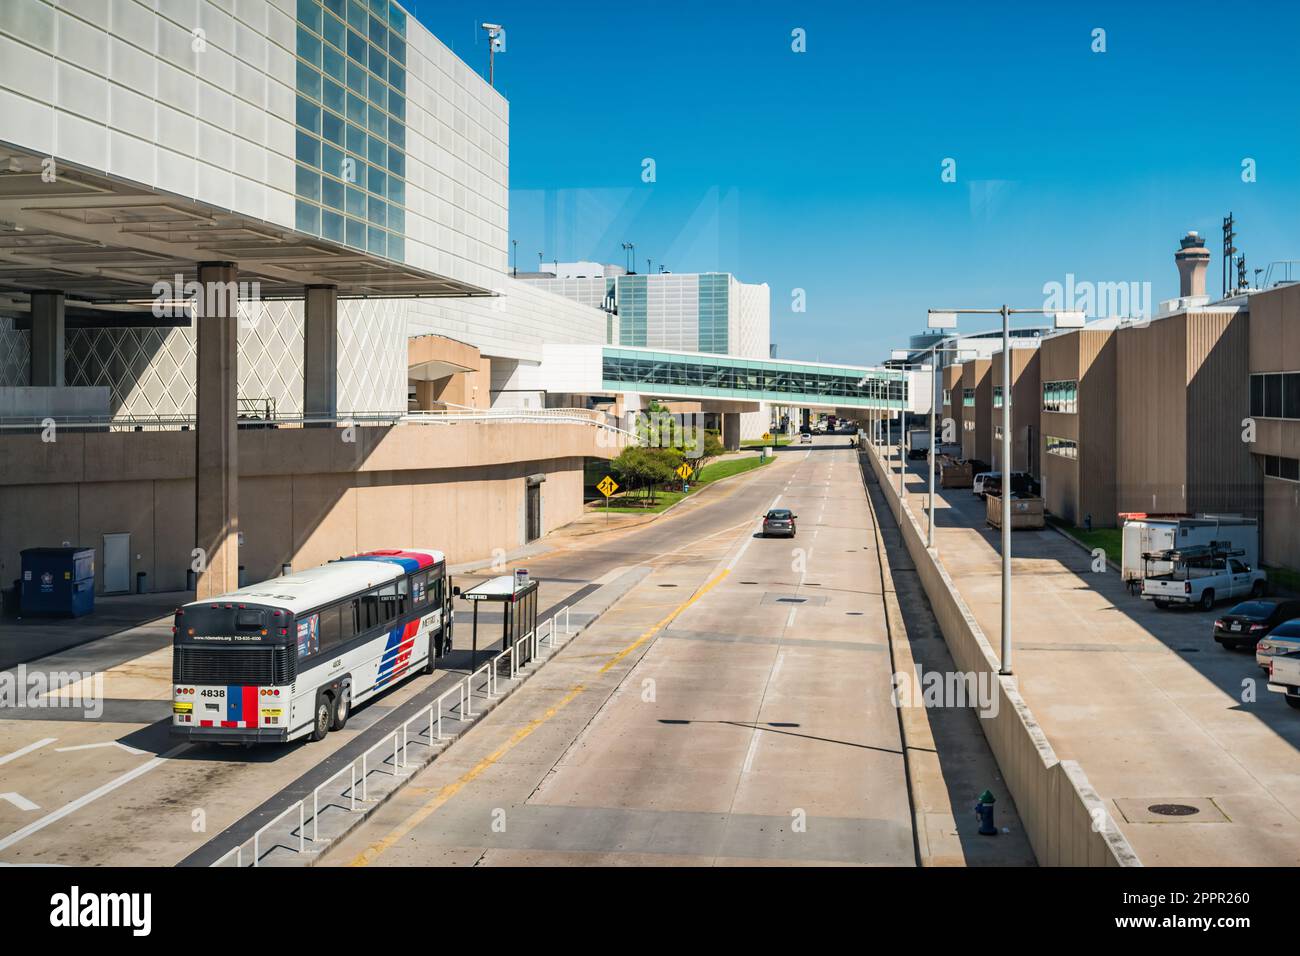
{"points": [[1066, 821]]}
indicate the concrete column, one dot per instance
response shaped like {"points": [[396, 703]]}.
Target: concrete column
{"points": [[731, 431], [216, 487], [320, 377], [47, 339]]}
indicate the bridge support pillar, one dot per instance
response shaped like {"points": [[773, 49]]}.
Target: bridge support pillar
{"points": [[731, 431], [320, 377], [47, 339], [216, 472]]}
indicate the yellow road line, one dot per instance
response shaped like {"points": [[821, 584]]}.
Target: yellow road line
{"points": [[660, 625], [372, 852], [367, 856]]}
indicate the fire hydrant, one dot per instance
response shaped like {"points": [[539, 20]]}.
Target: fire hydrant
{"points": [[984, 813]]}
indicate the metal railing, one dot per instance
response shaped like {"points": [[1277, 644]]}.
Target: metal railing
{"points": [[400, 740], [261, 419]]}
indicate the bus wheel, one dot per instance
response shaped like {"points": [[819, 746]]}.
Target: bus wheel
{"points": [[342, 710], [321, 726]]}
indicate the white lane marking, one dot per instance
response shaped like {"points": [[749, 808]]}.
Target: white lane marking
{"points": [[75, 805], [105, 743], [26, 750], [750, 540], [753, 742], [19, 801]]}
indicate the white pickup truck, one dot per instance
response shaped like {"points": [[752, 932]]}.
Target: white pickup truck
{"points": [[1284, 671], [1202, 583]]}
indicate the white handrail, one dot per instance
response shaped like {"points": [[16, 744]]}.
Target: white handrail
{"points": [[401, 742]]}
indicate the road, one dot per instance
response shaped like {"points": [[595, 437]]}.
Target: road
{"points": [[733, 708]]}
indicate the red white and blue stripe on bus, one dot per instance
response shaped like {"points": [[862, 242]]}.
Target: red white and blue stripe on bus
{"points": [[397, 652], [241, 708], [408, 561]]}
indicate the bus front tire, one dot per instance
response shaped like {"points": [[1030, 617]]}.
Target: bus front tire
{"points": [[321, 725]]}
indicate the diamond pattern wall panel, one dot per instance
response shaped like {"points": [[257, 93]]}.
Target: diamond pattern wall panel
{"points": [[152, 371], [372, 355], [15, 355]]}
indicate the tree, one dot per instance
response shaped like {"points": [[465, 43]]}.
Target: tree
{"points": [[643, 469]]}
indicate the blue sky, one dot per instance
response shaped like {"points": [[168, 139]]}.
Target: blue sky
{"points": [[822, 170]]}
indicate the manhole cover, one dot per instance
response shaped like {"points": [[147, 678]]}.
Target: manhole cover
{"points": [[1173, 809], [791, 600]]}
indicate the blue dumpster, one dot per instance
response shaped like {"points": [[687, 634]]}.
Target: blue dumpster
{"points": [[58, 581]]}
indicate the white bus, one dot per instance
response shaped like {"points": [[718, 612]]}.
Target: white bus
{"points": [[292, 656]]}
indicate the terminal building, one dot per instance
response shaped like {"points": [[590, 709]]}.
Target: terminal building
{"points": [[1192, 410], [255, 310]]}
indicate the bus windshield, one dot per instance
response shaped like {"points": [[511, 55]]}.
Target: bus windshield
{"points": [[224, 621]]}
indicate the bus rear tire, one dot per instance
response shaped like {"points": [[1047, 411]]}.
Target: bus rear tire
{"points": [[321, 725], [342, 710]]}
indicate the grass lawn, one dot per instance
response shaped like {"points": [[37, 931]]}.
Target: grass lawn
{"points": [[1110, 540], [631, 504], [1282, 580], [777, 441]]}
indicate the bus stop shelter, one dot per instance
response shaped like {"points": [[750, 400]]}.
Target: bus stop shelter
{"points": [[518, 598]]}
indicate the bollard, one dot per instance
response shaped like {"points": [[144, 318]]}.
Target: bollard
{"points": [[984, 813], [286, 569]]}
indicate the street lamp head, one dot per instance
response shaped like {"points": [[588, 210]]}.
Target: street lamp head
{"points": [[491, 27], [1069, 320]]}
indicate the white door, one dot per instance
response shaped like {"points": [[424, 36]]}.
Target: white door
{"points": [[117, 563]]}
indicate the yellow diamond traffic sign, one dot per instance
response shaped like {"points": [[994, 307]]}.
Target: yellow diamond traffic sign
{"points": [[607, 486], [684, 471]]}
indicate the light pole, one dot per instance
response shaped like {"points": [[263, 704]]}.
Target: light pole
{"points": [[947, 319], [515, 249], [934, 404]]}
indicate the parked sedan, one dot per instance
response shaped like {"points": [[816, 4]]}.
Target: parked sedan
{"points": [[779, 521], [805, 439], [1284, 639], [1249, 621]]}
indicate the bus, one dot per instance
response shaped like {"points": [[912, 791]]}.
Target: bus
{"points": [[292, 656]]}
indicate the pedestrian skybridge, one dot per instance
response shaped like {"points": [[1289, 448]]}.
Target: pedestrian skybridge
{"points": [[703, 375]]}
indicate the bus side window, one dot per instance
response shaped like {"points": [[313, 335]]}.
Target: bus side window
{"points": [[370, 609], [331, 629], [403, 595], [436, 586], [351, 624], [387, 603]]}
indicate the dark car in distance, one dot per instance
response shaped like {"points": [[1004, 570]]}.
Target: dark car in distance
{"points": [[1248, 621], [779, 521]]}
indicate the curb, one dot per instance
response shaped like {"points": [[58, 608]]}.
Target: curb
{"points": [[899, 648], [1071, 538]]}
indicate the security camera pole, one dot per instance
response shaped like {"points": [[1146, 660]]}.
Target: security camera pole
{"points": [[947, 319], [493, 32]]}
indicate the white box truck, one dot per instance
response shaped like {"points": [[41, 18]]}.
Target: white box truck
{"points": [[1144, 534], [919, 441]]}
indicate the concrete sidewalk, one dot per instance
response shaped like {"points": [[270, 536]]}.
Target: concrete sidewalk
{"points": [[1155, 712]]}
